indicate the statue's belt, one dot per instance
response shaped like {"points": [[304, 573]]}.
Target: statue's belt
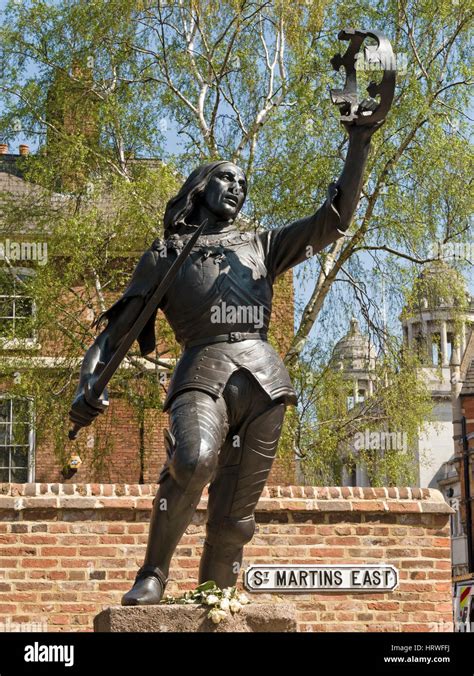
{"points": [[233, 337]]}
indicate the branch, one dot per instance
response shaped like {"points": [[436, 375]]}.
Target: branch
{"points": [[98, 288], [272, 100], [400, 254], [156, 362], [189, 36], [412, 43]]}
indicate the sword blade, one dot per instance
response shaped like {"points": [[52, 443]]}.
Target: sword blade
{"points": [[141, 321], [120, 353]]}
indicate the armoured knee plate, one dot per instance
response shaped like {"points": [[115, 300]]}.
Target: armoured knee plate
{"points": [[234, 494], [198, 428], [197, 423]]}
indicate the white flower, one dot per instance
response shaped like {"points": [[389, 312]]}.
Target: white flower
{"points": [[224, 604], [227, 593], [243, 599], [216, 615], [235, 606], [212, 599]]}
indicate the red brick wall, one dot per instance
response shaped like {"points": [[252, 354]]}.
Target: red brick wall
{"points": [[283, 473], [155, 455], [117, 433], [116, 438], [68, 551]]}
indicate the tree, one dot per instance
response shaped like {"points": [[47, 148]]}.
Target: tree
{"points": [[249, 82], [379, 432]]}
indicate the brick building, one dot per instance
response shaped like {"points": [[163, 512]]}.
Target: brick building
{"points": [[133, 440], [457, 485]]}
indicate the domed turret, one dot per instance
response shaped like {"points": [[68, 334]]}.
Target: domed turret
{"points": [[355, 356], [437, 315], [354, 351], [438, 285]]}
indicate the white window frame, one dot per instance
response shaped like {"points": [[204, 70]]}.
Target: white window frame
{"points": [[31, 434], [21, 343]]}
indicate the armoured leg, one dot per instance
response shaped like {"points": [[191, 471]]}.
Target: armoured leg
{"points": [[234, 493], [198, 428]]}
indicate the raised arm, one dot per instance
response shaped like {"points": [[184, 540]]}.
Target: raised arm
{"points": [[350, 182], [294, 243]]}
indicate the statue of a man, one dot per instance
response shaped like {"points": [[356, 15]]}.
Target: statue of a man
{"points": [[227, 397]]}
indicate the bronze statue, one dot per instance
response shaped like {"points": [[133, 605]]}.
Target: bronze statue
{"points": [[227, 397]]}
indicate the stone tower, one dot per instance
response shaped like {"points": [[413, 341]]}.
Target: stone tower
{"points": [[436, 323], [355, 356]]}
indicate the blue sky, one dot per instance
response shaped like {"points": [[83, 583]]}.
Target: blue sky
{"points": [[302, 289]]}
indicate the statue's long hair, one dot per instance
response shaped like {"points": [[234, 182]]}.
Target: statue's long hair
{"points": [[181, 205]]}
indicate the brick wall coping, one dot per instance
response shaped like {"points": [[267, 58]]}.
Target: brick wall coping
{"points": [[19, 497]]}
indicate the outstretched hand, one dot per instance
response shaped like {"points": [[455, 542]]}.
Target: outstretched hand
{"points": [[368, 105], [84, 411]]}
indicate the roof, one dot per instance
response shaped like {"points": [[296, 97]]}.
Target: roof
{"points": [[354, 351], [468, 387], [14, 185]]}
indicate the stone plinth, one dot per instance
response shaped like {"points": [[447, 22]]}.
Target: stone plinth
{"points": [[256, 617]]}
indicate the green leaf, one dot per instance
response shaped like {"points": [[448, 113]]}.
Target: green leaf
{"points": [[208, 586]]}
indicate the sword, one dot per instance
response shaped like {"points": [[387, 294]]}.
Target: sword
{"points": [[120, 353]]}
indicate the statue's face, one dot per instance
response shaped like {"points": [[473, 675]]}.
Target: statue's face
{"points": [[225, 193]]}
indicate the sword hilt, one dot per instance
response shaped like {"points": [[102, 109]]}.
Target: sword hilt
{"points": [[72, 434], [92, 399]]}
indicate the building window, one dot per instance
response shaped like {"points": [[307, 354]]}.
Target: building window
{"points": [[450, 347], [17, 309], [359, 399], [16, 440]]}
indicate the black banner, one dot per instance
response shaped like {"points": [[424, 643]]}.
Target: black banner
{"points": [[90, 653]]}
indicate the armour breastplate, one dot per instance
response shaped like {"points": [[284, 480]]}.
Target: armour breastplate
{"points": [[222, 287]]}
